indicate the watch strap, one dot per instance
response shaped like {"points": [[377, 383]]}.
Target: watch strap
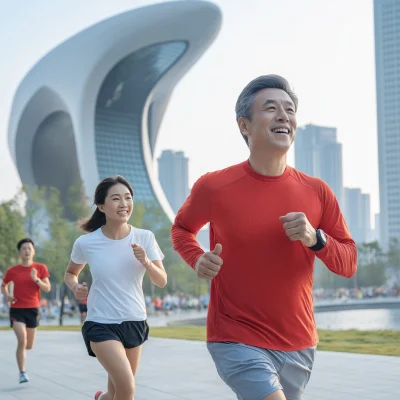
{"points": [[320, 242]]}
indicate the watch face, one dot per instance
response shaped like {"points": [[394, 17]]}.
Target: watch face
{"points": [[323, 235]]}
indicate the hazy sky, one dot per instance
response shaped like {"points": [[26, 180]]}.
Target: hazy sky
{"points": [[324, 48]]}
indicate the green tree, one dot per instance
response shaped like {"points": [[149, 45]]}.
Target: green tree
{"points": [[35, 210], [77, 202], [55, 251], [371, 269], [11, 231]]}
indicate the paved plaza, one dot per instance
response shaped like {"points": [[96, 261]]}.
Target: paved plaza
{"points": [[178, 370]]}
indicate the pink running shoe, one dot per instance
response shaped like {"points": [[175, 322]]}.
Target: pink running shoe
{"points": [[98, 394]]}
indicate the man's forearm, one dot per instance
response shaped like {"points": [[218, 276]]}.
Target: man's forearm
{"points": [[339, 257], [4, 290], [186, 244], [45, 286]]}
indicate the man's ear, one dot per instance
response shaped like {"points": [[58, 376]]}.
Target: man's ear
{"points": [[243, 124]]}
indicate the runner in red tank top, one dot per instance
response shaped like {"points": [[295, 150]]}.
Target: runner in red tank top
{"points": [[28, 278]]}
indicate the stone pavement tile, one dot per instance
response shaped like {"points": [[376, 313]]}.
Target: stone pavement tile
{"points": [[354, 376], [146, 393]]}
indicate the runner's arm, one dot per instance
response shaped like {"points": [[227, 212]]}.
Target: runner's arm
{"points": [[340, 252], [4, 289], [157, 273], [191, 217], [44, 284], [72, 273]]}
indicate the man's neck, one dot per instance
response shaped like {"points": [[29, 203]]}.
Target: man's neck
{"points": [[268, 165], [26, 263], [116, 232]]}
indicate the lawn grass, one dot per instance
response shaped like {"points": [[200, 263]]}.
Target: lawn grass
{"points": [[351, 341]]}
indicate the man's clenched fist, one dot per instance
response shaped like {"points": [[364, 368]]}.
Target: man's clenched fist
{"points": [[209, 264], [298, 227]]}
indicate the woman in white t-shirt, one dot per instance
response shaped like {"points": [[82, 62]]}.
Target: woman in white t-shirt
{"points": [[119, 255]]}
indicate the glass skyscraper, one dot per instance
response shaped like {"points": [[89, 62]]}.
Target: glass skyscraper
{"points": [[387, 59], [317, 153]]}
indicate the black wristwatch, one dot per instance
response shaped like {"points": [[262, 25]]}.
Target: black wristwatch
{"points": [[321, 240]]}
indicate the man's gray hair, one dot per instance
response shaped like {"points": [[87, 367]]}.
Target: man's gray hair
{"points": [[246, 98]]}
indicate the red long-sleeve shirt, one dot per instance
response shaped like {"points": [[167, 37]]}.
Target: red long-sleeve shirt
{"points": [[262, 295]]}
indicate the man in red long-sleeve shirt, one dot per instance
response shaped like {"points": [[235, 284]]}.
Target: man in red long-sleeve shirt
{"points": [[268, 222]]}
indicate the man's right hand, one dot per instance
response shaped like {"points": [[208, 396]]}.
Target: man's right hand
{"points": [[11, 299], [81, 291], [209, 264]]}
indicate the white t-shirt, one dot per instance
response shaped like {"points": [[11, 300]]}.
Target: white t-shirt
{"points": [[116, 293]]}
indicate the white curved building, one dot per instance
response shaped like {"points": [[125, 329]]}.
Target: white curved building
{"points": [[92, 107]]}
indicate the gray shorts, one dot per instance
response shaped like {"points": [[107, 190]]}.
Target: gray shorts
{"points": [[254, 373]]}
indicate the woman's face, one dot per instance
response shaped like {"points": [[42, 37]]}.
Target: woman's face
{"points": [[118, 204]]}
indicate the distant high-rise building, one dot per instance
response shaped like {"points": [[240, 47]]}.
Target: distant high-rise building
{"points": [[375, 233], [366, 216], [173, 174], [387, 60], [317, 153], [357, 212]]}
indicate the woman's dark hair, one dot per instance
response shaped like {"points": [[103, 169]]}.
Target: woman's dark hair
{"points": [[26, 240], [98, 219], [246, 98]]}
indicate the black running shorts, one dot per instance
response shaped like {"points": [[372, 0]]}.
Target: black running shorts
{"points": [[130, 333], [28, 316]]}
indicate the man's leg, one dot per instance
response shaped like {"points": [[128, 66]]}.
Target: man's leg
{"points": [[278, 395], [296, 372], [21, 333], [248, 371], [30, 338]]}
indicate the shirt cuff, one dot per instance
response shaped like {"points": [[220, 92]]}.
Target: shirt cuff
{"points": [[196, 266]]}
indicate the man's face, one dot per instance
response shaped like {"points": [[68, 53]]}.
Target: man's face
{"points": [[273, 124], [27, 251]]}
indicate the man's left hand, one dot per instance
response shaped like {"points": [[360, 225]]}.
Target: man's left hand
{"points": [[298, 227], [34, 274]]}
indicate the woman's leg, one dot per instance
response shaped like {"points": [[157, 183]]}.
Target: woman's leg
{"points": [[111, 354], [134, 358]]}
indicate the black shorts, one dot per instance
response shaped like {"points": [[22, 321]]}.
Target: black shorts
{"points": [[130, 333], [82, 308], [28, 316]]}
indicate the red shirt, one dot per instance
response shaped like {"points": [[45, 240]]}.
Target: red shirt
{"points": [[262, 295], [26, 291]]}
